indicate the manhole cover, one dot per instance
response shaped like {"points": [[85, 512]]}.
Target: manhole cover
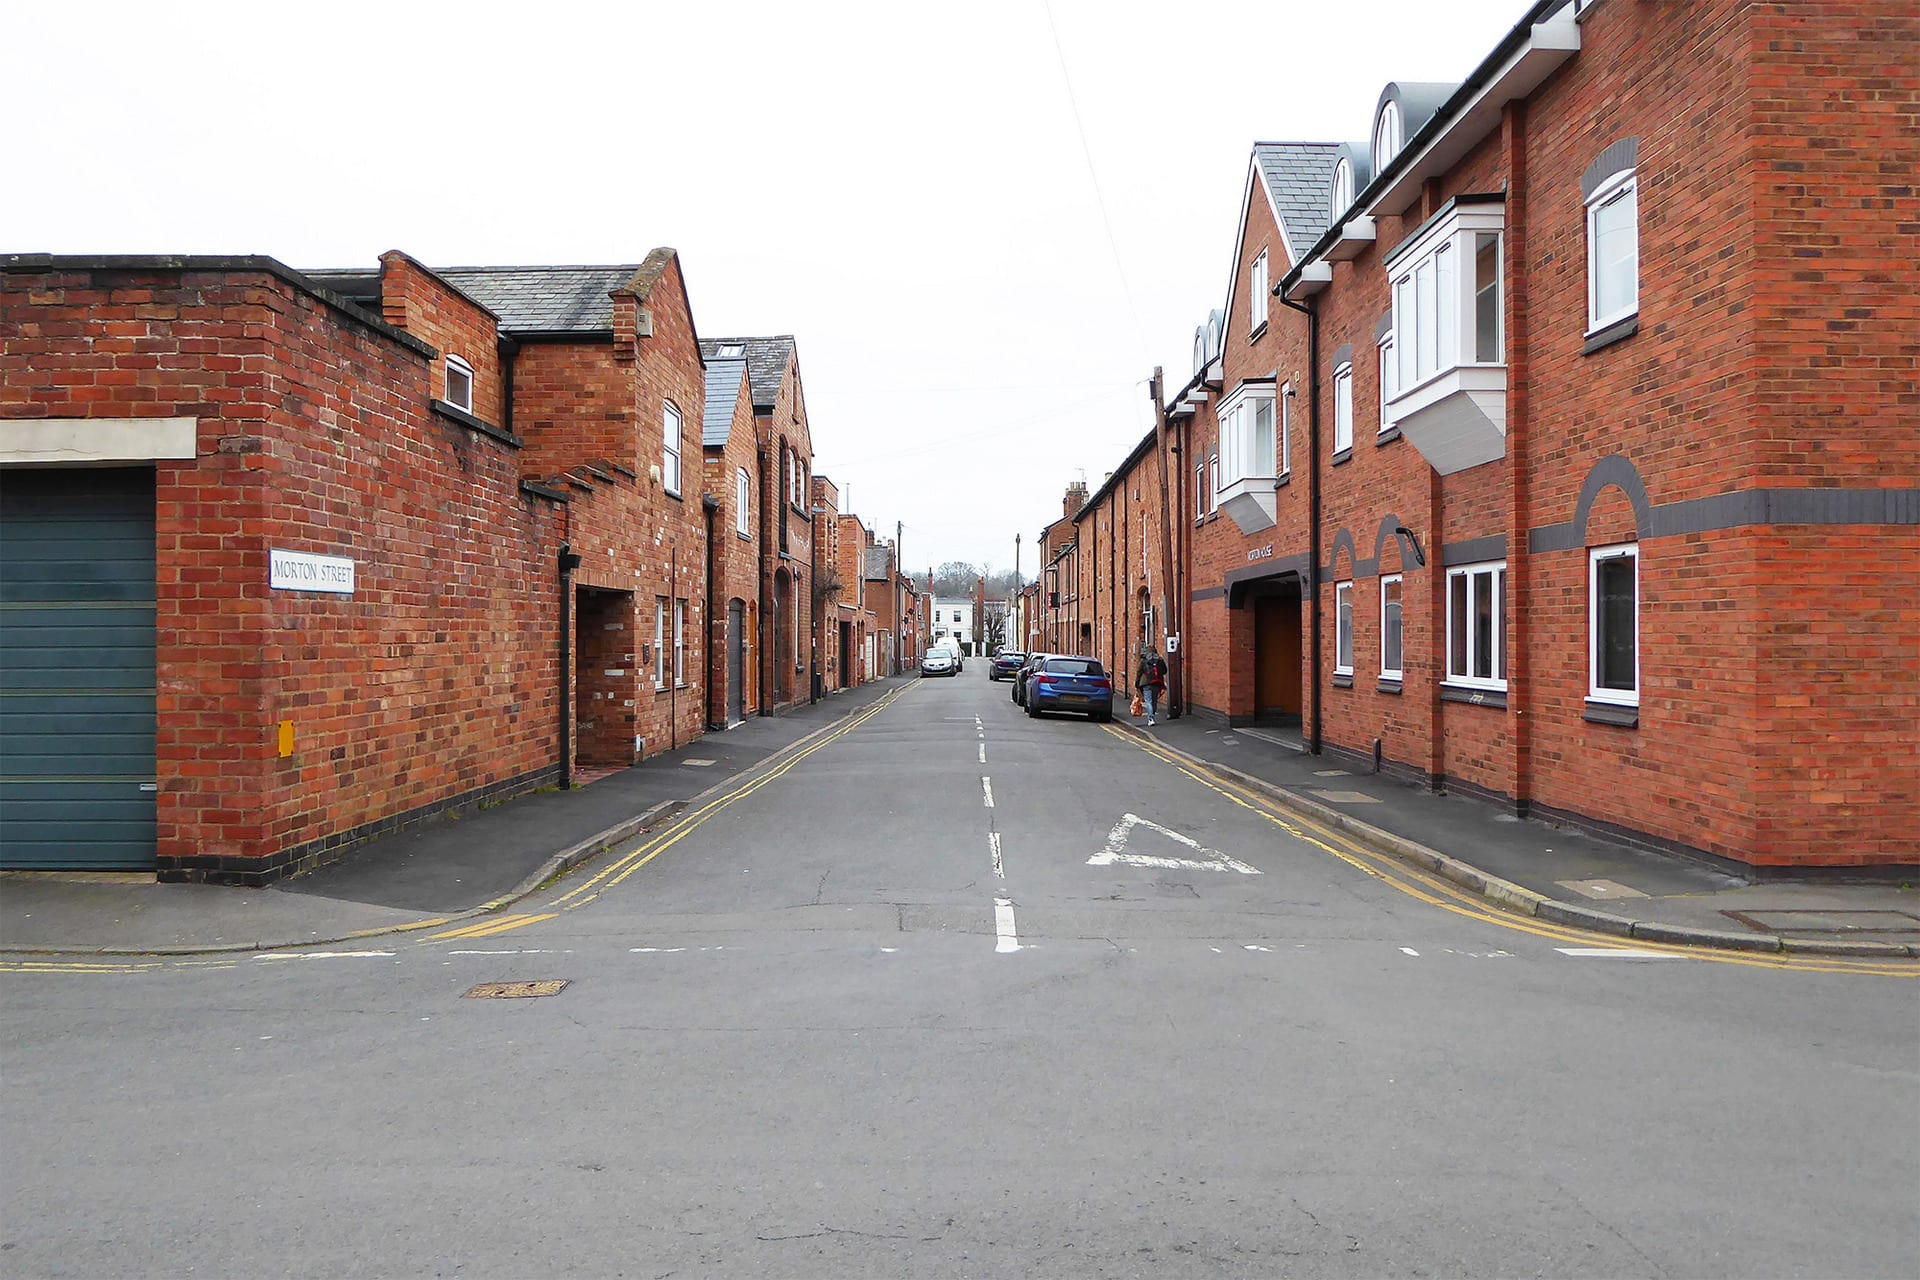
{"points": [[516, 990], [1831, 920]]}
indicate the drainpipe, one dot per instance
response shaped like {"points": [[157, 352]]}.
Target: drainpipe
{"points": [[709, 505], [1171, 611], [673, 680], [568, 562], [1313, 505], [760, 623]]}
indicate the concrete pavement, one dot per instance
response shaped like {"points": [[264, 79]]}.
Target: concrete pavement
{"points": [[471, 861], [1556, 873]]}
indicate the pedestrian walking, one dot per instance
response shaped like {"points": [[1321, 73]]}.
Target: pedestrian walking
{"points": [[1150, 679]]}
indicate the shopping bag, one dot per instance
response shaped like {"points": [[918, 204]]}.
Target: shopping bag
{"points": [[1139, 707]]}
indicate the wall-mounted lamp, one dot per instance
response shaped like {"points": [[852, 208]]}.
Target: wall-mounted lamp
{"points": [[1419, 557]]}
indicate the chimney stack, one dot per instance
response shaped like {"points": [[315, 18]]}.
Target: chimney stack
{"points": [[1076, 498]]}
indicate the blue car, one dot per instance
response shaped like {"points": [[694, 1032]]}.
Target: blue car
{"points": [[1070, 684]]}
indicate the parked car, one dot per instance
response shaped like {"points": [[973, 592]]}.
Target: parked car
{"points": [[938, 662], [1070, 684], [1005, 663], [951, 648], [1021, 676]]}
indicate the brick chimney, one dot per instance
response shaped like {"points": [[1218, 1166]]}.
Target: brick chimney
{"points": [[1076, 498]]}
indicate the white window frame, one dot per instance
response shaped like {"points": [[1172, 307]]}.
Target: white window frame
{"points": [[1386, 135], [1213, 498], [1343, 406], [680, 644], [1621, 187], [1340, 194], [1595, 557], [659, 642], [1388, 372], [1393, 672], [1435, 301], [456, 365], [670, 429], [1257, 296], [1343, 628], [1464, 626], [1244, 456], [1283, 425], [1201, 491], [743, 502]]}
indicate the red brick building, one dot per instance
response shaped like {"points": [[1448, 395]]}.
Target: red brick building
{"points": [[784, 443], [295, 559], [1557, 445]]}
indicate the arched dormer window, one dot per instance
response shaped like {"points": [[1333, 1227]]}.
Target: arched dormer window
{"points": [[1342, 193], [1199, 350], [1386, 135]]}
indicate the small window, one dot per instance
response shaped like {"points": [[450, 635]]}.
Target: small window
{"points": [[1200, 493], [1343, 629], [659, 642], [1388, 368], [743, 503], [1257, 296], [732, 350], [1613, 252], [1476, 636], [670, 454], [680, 643], [1386, 136], [459, 384], [1613, 624], [1286, 428], [1343, 407], [1392, 636], [1213, 496], [1341, 194]]}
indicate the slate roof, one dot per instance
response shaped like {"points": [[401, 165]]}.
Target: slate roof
{"points": [[723, 392], [1299, 174], [767, 360], [544, 299], [878, 562]]}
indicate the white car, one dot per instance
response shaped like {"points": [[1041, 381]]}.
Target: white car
{"points": [[938, 662]]}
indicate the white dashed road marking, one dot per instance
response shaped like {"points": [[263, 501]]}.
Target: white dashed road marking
{"points": [[1003, 925], [1615, 953], [986, 790]]}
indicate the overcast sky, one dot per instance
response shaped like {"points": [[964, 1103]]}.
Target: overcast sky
{"points": [[981, 278]]}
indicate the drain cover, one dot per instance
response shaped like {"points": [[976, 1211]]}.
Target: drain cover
{"points": [[516, 990]]}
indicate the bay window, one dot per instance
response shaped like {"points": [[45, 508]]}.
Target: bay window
{"points": [[1449, 384], [1248, 451]]}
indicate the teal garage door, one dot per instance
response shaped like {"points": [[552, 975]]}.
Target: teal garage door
{"points": [[76, 670]]}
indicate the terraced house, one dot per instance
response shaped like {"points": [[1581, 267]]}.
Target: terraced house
{"points": [[293, 558], [1541, 447]]}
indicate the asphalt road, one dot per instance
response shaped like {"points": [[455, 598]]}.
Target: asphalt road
{"points": [[959, 993]]}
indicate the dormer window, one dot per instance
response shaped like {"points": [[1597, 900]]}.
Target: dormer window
{"points": [[1257, 296], [732, 350], [460, 384], [1342, 194], [1386, 136]]}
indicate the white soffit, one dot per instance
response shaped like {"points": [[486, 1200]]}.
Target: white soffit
{"points": [[1547, 49], [1356, 237], [96, 441], [1313, 277]]}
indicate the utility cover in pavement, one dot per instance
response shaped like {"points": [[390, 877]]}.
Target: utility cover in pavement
{"points": [[1202, 859], [516, 990]]}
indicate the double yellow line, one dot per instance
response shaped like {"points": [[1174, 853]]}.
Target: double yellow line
{"points": [[487, 926], [628, 863], [1438, 892]]}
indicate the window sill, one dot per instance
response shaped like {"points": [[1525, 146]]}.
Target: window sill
{"points": [[1613, 713], [673, 493], [1282, 480], [1258, 332], [455, 413], [1388, 685], [744, 537], [1387, 436], [1343, 680], [1340, 456], [1474, 697], [1608, 334]]}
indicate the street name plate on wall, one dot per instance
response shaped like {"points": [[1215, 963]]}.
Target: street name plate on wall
{"points": [[298, 571]]}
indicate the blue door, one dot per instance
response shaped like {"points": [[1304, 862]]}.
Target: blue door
{"points": [[77, 670]]}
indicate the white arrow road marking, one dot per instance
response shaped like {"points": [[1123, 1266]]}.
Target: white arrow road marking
{"points": [[1115, 852], [1003, 925], [1615, 953]]}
